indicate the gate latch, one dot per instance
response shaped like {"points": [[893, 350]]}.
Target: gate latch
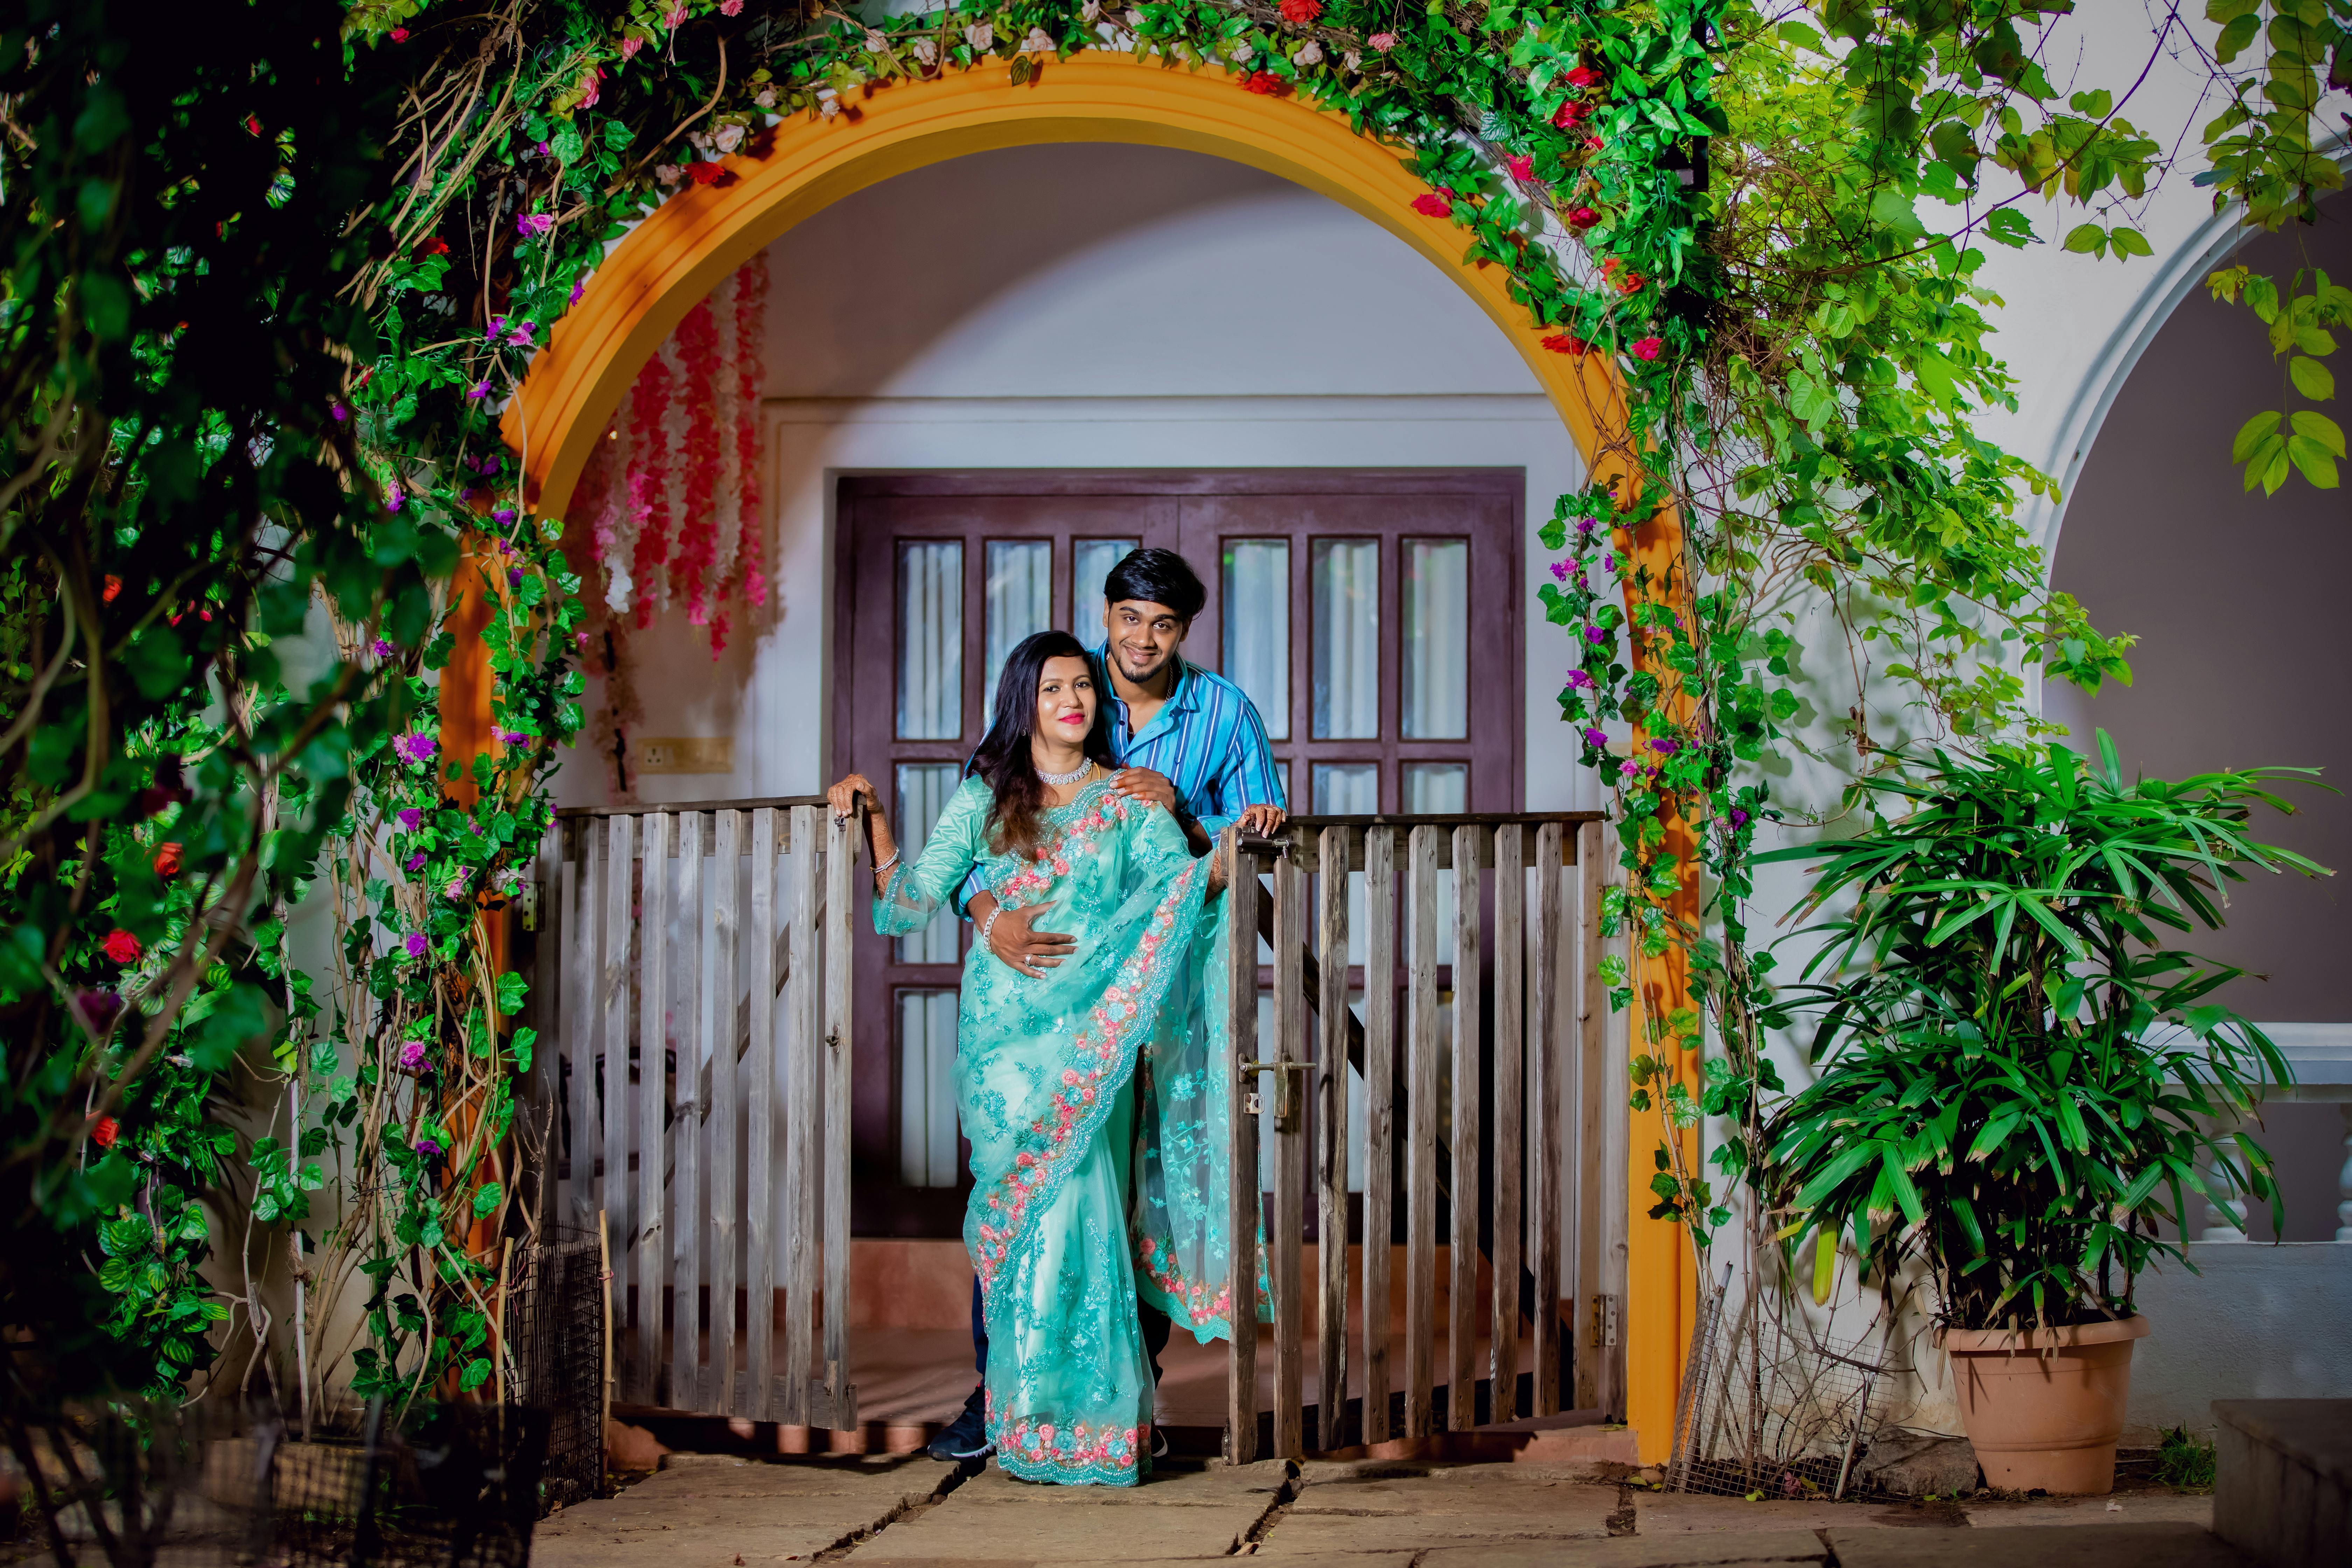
{"points": [[1289, 1086]]}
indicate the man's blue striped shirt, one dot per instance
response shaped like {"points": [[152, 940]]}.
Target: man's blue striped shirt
{"points": [[1207, 739]]}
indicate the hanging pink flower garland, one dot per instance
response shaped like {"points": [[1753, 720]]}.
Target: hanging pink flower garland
{"points": [[671, 495]]}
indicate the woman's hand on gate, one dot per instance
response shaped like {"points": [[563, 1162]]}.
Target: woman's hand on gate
{"points": [[843, 798]]}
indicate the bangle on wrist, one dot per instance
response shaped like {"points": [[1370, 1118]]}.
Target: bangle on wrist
{"points": [[886, 863], [989, 924]]}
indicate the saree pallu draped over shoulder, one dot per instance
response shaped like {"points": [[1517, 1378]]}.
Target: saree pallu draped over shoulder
{"points": [[1096, 1098]]}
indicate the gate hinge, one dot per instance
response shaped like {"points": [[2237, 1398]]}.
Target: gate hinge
{"points": [[1604, 1321]]}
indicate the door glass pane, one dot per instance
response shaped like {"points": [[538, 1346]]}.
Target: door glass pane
{"points": [[1347, 789], [930, 640], [1347, 609], [1257, 627], [1020, 596], [1436, 787], [1436, 685], [923, 792], [1090, 562], [926, 1105]]}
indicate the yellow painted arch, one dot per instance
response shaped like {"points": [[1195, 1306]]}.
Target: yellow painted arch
{"points": [[686, 247]]}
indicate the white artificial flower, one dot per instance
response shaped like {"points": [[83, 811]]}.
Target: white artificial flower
{"points": [[1351, 61], [1135, 20], [1311, 53], [1243, 50], [828, 103], [981, 36], [876, 43], [767, 98], [1091, 11], [1039, 42], [926, 52], [668, 174], [700, 138]]}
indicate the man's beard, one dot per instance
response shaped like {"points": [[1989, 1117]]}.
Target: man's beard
{"points": [[1136, 677]]}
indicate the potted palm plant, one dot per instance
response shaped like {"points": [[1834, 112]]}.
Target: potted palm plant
{"points": [[2017, 1075]]}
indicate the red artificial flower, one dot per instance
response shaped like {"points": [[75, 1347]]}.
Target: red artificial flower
{"points": [[253, 125], [1433, 205], [1522, 168], [167, 860], [433, 246], [113, 586], [1566, 344], [1301, 10], [105, 1133], [704, 174], [1567, 115], [1582, 217], [122, 946], [1583, 76], [1648, 348], [1267, 83], [399, 35]]}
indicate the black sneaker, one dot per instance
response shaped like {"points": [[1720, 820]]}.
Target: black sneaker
{"points": [[966, 1436]]}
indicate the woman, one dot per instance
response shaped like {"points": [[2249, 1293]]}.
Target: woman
{"points": [[1048, 1065]]}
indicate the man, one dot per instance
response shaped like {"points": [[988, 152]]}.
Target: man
{"points": [[1185, 737]]}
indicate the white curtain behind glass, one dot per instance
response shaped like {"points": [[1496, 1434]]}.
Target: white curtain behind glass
{"points": [[923, 792], [926, 1104], [930, 640], [1090, 562], [1436, 688], [1257, 627], [1347, 615], [1019, 600]]}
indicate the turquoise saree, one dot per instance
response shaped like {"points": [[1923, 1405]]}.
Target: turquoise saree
{"points": [[1096, 1099]]}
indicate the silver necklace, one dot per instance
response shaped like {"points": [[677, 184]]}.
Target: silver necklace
{"points": [[1057, 780]]}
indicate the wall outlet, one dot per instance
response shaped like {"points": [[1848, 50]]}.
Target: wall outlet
{"points": [[685, 754]]}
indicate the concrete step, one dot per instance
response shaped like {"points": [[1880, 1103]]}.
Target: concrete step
{"points": [[2282, 1491]]}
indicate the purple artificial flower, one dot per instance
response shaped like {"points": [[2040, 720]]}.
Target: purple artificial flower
{"points": [[427, 1147], [413, 865], [541, 149], [489, 465], [481, 390], [410, 817], [393, 499], [412, 1057], [474, 827], [384, 648], [1582, 583], [504, 514], [579, 288], [1609, 562], [340, 412], [99, 1009], [416, 746], [1739, 817], [514, 737], [1577, 678], [1663, 744], [417, 944], [1596, 737], [514, 577], [1628, 769], [497, 330], [1596, 635], [1584, 525], [1559, 570]]}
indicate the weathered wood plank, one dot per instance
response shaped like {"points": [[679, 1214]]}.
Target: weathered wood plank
{"points": [[620, 928], [759, 1133], [1331, 1149], [719, 1100], [1544, 1123], [685, 1203], [550, 966], [1421, 1132], [1606, 1162], [1302, 835], [1241, 958], [575, 891], [840, 868], [1380, 1130], [1289, 1163], [798, 1222], [1511, 1045], [653, 1026], [1469, 1094]]}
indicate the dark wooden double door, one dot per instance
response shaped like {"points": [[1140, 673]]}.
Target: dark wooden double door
{"points": [[1373, 617]]}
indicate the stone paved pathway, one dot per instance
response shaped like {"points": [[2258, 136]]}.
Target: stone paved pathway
{"points": [[722, 1511]]}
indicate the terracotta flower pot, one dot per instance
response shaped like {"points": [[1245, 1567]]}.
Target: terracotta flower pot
{"points": [[2044, 1406]]}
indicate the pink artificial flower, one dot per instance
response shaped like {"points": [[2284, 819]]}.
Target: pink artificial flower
{"points": [[481, 390], [398, 35], [412, 1055], [416, 746], [1583, 76], [591, 87], [1648, 348], [1383, 42], [1432, 204], [530, 225], [629, 48], [731, 7], [1522, 168]]}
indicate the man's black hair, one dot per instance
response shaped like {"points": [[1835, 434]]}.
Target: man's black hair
{"points": [[1156, 577]]}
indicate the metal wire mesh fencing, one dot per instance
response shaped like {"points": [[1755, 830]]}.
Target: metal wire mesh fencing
{"points": [[215, 1486], [556, 1340], [1770, 1404]]}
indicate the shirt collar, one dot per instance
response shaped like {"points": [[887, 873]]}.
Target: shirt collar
{"points": [[1185, 699]]}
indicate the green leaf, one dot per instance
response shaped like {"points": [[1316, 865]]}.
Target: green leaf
{"points": [[2235, 37], [2311, 378], [2316, 463], [2318, 427], [2131, 242], [487, 1198]]}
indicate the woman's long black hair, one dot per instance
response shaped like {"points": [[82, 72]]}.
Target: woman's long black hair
{"points": [[1003, 760]]}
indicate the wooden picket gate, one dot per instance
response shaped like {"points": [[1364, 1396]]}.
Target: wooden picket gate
{"points": [[721, 934], [1513, 1064], [724, 928]]}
